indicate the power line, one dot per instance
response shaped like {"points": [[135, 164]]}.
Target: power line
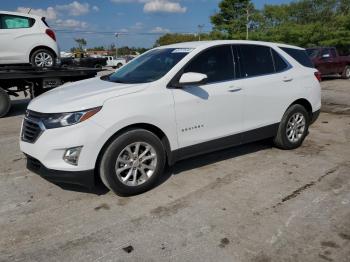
{"points": [[66, 31]]}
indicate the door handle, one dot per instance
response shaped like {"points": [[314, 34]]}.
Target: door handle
{"points": [[232, 90], [287, 79]]}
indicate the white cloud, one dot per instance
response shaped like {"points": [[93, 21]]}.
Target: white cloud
{"points": [[70, 23], [50, 13], [157, 6], [137, 26], [129, 1], [164, 6], [75, 8], [57, 13], [160, 30]]}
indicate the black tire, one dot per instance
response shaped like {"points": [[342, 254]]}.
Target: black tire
{"points": [[281, 140], [119, 65], [5, 103], [107, 166], [346, 73], [98, 66], [42, 51]]}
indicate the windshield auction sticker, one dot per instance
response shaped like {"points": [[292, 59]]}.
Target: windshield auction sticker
{"points": [[182, 50]]}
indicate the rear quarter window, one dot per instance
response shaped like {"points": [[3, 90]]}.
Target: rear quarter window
{"points": [[299, 55]]}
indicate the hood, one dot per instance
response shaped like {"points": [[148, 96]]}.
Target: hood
{"points": [[81, 95]]}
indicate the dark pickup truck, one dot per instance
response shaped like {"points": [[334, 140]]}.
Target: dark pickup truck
{"points": [[92, 62], [329, 62]]}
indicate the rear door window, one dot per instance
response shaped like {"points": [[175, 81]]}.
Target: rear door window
{"points": [[256, 60], [15, 22], [299, 55], [216, 63]]}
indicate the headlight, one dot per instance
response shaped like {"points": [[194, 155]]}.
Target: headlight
{"points": [[68, 119]]}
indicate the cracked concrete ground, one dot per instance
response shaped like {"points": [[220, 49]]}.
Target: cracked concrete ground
{"points": [[251, 203]]}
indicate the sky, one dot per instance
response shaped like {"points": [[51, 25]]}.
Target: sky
{"points": [[138, 22]]}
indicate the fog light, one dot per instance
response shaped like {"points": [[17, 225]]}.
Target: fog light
{"points": [[71, 156]]}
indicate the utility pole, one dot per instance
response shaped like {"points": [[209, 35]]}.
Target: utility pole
{"points": [[116, 45], [247, 24], [200, 28]]}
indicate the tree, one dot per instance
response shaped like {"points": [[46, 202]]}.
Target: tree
{"points": [[81, 42], [235, 17]]}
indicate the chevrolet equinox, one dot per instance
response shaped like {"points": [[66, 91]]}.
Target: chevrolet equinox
{"points": [[170, 103]]}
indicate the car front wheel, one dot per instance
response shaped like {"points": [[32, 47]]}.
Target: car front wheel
{"points": [[293, 128], [132, 163], [42, 58]]}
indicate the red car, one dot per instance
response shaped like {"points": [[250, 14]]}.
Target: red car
{"points": [[329, 62]]}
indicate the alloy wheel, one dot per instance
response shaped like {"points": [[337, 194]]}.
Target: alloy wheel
{"points": [[43, 59], [136, 163], [296, 127]]}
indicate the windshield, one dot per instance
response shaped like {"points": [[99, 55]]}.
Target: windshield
{"points": [[312, 52], [148, 67]]}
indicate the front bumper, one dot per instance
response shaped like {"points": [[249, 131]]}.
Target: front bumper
{"points": [[81, 178], [50, 146]]}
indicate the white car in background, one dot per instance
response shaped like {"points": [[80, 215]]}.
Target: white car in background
{"points": [[171, 103], [115, 62], [26, 38]]}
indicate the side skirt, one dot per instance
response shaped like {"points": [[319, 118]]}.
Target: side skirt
{"points": [[222, 143]]}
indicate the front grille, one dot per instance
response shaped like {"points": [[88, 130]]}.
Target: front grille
{"points": [[31, 129]]}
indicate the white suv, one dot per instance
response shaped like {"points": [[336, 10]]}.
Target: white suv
{"points": [[26, 39], [171, 103]]}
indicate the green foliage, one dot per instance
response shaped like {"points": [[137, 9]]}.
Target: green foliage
{"points": [[304, 23], [97, 48], [81, 43], [234, 16], [168, 39], [175, 38]]}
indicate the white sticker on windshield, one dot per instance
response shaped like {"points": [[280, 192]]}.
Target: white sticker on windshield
{"points": [[182, 50]]}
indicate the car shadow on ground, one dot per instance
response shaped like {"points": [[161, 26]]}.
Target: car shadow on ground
{"points": [[184, 165], [214, 157]]}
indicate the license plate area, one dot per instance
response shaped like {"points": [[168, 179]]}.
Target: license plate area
{"points": [[49, 83]]}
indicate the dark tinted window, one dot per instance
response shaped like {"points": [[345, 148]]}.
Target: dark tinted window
{"points": [[14, 22], [299, 55], [148, 67], [256, 60], [312, 52], [326, 51], [216, 63], [280, 64], [333, 52]]}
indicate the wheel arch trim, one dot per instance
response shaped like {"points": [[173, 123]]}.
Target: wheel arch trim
{"points": [[146, 126], [42, 47]]}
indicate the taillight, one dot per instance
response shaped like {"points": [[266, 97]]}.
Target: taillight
{"points": [[51, 34], [318, 76]]}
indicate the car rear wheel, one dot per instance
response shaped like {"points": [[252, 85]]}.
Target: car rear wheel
{"points": [[119, 65], [293, 128], [132, 163], [346, 73], [5, 103], [42, 58]]}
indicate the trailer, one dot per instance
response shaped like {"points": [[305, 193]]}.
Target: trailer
{"points": [[32, 81]]}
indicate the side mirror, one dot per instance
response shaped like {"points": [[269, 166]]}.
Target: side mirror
{"points": [[326, 56], [192, 78]]}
